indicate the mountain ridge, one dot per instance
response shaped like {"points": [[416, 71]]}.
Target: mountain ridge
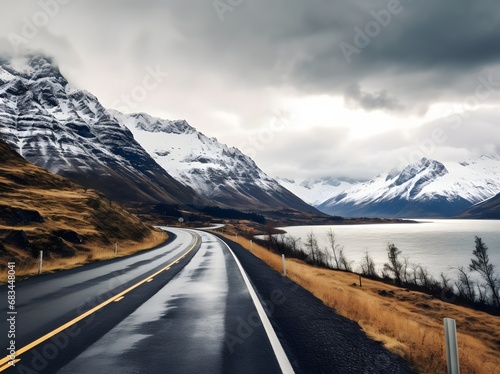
{"points": [[68, 132], [488, 209], [424, 189], [219, 173]]}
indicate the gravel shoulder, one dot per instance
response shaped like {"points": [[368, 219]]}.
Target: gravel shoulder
{"points": [[315, 338]]}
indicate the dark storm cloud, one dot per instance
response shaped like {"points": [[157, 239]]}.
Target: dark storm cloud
{"points": [[422, 35], [294, 42], [298, 43], [401, 58]]}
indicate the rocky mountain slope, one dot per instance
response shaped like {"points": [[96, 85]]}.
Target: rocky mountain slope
{"points": [[488, 209], [43, 211], [221, 174], [68, 132]]}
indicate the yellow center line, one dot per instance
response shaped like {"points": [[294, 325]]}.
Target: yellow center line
{"points": [[8, 365], [120, 298], [91, 311], [149, 280]]}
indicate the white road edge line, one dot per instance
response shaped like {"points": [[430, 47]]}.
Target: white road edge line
{"points": [[285, 365]]}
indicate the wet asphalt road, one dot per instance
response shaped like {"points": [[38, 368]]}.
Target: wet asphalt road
{"points": [[196, 317], [203, 321], [46, 302]]}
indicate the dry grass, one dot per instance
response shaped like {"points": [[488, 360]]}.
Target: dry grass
{"points": [[71, 224], [407, 323], [27, 266]]}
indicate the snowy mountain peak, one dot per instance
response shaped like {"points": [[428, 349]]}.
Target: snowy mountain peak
{"points": [[68, 132], [145, 122], [32, 68], [219, 173], [424, 169], [426, 188]]}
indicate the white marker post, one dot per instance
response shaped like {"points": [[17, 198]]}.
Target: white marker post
{"points": [[450, 332], [116, 248], [284, 264], [40, 263], [251, 246]]}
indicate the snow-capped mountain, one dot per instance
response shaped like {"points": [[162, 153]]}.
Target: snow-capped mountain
{"points": [[426, 188], [68, 132], [315, 191], [222, 174]]}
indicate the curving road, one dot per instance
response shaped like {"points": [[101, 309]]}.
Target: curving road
{"points": [[192, 325], [46, 303], [175, 309], [185, 307]]}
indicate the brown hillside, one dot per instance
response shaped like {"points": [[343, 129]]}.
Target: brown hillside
{"points": [[72, 225]]}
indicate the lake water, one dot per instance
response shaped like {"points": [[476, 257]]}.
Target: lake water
{"points": [[438, 245]]}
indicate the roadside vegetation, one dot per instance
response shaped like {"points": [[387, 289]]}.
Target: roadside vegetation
{"points": [[407, 320], [476, 286], [72, 225]]}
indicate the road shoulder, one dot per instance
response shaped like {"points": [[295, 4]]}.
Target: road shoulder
{"points": [[315, 338]]}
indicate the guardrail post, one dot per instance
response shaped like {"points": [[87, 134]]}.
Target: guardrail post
{"points": [[450, 332], [40, 263]]}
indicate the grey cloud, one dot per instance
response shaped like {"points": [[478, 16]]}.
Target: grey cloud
{"points": [[356, 98], [432, 51], [293, 42]]}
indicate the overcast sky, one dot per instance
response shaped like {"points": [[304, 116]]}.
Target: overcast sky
{"points": [[310, 88]]}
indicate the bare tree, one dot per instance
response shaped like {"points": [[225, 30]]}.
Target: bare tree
{"points": [[270, 230], [344, 263], [465, 285], [368, 266], [482, 291], [333, 249], [405, 272], [293, 244], [445, 283], [481, 264], [414, 274], [426, 280], [394, 265], [314, 254]]}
